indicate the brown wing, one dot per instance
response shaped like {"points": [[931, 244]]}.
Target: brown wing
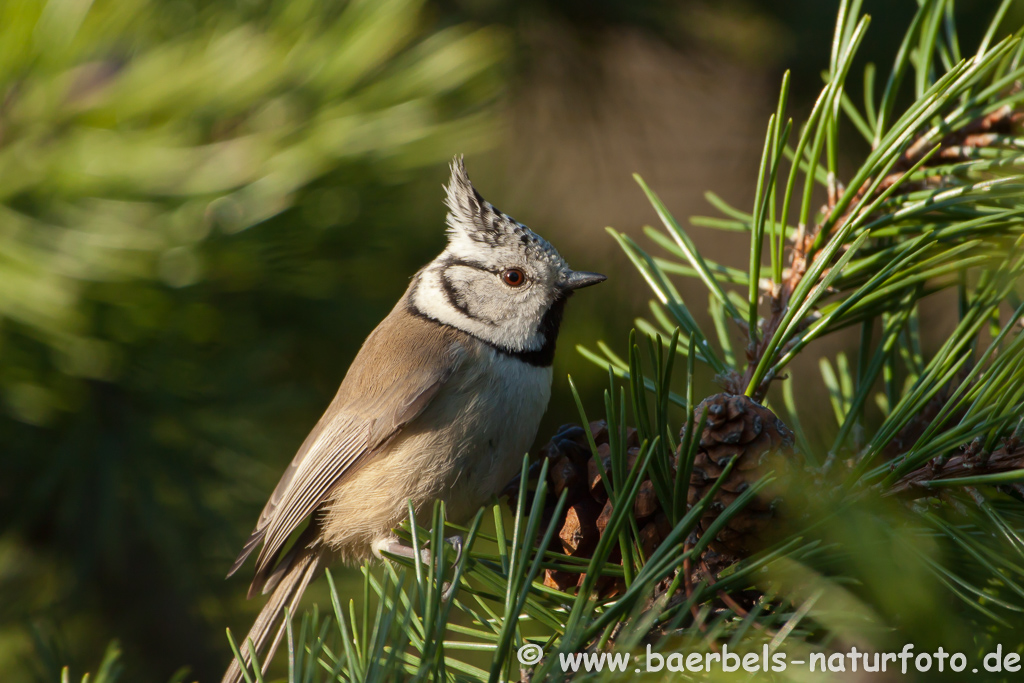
{"points": [[399, 369]]}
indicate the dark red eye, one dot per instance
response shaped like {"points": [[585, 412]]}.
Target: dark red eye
{"points": [[513, 277]]}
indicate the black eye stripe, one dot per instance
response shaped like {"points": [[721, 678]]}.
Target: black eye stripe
{"points": [[476, 265], [471, 264]]}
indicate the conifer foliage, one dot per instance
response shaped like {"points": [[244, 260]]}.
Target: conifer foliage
{"points": [[651, 528]]}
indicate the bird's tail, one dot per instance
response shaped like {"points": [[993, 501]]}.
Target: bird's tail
{"points": [[288, 583]]}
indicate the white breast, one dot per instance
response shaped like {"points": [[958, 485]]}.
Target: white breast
{"points": [[499, 426], [463, 449]]}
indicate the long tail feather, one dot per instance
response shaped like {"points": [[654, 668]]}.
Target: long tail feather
{"points": [[288, 590]]}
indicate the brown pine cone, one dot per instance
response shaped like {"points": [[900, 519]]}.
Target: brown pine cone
{"points": [[587, 508], [736, 427]]}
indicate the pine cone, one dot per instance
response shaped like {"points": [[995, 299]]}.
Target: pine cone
{"points": [[736, 427], [587, 508]]}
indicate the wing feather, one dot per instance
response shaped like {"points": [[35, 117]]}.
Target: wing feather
{"points": [[385, 389]]}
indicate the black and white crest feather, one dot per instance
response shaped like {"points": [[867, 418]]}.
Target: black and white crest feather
{"points": [[473, 218], [468, 212]]}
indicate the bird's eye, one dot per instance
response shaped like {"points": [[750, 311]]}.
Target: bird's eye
{"points": [[513, 277]]}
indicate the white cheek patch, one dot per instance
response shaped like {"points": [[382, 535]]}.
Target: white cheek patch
{"points": [[488, 313]]}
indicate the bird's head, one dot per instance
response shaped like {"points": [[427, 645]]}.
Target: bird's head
{"points": [[497, 279]]}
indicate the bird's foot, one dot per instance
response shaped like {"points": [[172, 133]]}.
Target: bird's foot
{"points": [[456, 543], [401, 550]]}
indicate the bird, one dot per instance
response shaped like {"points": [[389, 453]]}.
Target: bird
{"points": [[441, 402]]}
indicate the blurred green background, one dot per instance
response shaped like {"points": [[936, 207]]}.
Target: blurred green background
{"points": [[206, 205]]}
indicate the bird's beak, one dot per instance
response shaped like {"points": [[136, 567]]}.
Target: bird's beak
{"points": [[579, 279]]}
